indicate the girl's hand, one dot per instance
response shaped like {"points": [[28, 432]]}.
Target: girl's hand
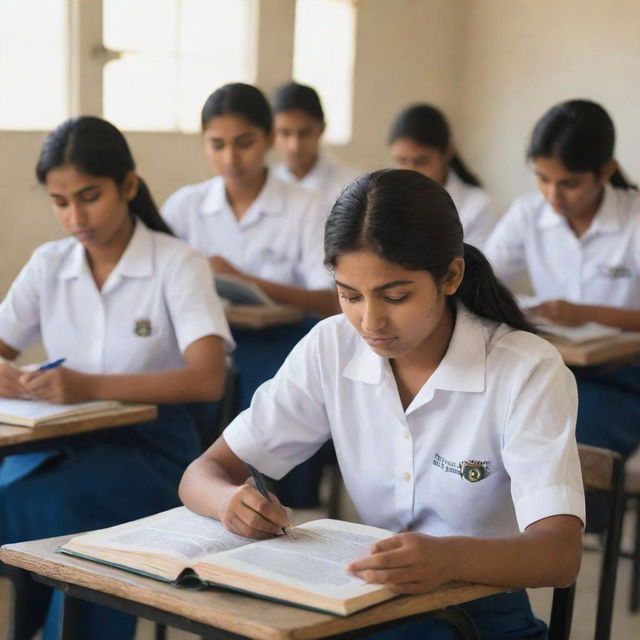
{"points": [[247, 513], [561, 312], [59, 385], [407, 563], [223, 267], [10, 384]]}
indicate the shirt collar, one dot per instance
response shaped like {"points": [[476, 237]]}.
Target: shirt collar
{"points": [[135, 262], [463, 367], [270, 200], [606, 218]]}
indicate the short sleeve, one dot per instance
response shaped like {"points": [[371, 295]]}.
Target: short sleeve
{"points": [[287, 421], [505, 248], [313, 271], [540, 452], [20, 310], [194, 306]]}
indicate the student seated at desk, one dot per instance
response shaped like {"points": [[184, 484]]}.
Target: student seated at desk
{"points": [[299, 125], [453, 424], [257, 227], [420, 139], [579, 239], [131, 309]]}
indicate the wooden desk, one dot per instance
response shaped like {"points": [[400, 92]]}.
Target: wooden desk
{"points": [[20, 439], [261, 316], [217, 613], [621, 348]]}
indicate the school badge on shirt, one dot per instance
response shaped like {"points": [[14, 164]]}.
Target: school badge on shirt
{"points": [[470, 470], [142, 328]]}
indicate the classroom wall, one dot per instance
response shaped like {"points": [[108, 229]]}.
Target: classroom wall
{"points": [[493, 65]]}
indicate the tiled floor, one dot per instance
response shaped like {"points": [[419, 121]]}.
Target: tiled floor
{"points": [[625, 626]]}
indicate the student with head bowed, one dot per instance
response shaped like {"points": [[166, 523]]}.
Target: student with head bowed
{"points": [[579, 239], [453, 424], [131, 309], [257, 227], [299, 126], [420, 139]]}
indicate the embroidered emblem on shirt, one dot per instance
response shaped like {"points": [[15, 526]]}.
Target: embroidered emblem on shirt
{"points": [[470, 470], [142, 328], [614, 272]]}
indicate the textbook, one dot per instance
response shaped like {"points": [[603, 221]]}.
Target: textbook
{"points": [[33, 413], [241, 292], [190, 550]]}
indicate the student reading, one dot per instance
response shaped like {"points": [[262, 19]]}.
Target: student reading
{"points": [[452, 422], [299, 126], [257, 227], [579, 239], [132, 310], [420, 139]]}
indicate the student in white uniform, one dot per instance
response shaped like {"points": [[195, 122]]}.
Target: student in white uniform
{"points": [[260, 228], [452, 423], [579, 239], [420, 139], [299, 125], [131, 309]]}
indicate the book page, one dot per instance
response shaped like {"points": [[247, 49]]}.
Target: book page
{"points": [[27, 412], [315, 561], [178, 533]]}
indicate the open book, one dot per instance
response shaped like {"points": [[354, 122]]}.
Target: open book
{"points": [[187, 549], [239, 291], [32, 413]]}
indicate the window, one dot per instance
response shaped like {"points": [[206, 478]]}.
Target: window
{"points": [[171, 55], [324, 52], [34, 73]]}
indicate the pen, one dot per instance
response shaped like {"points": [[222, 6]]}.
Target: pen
{"points": [[260, 486], [51, 365]]}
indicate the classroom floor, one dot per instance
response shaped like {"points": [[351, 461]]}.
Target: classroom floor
{"points": [[625, 626]]}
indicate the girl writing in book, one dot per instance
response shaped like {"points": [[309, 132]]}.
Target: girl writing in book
{"points": [[420, 139], [259, 228], [131, 309], [579, 239], [453, 423]]}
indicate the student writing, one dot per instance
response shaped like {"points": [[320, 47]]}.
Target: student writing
{"points": [[420, 139], [131, 309], [299, 125], [579, 239], [452, 422]]}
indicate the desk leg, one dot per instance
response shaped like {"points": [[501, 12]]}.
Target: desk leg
{"points": [[67, 623], [461, 622]]}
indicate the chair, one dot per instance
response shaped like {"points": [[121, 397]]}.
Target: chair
{"points": [[632, 501], [602, 475]]}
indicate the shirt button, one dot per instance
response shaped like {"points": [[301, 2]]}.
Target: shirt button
{"points": [[407, 434], [406, 476]]}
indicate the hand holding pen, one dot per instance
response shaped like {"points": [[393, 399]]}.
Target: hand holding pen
{"points": [[52, 382], [261, 487]]}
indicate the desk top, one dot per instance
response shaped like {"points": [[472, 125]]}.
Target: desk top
{"points": [[11, 435], [244, 615], [261, 316], [620, 348]]}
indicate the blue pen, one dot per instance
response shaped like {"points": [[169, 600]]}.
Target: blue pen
{"points": [[260, 486], [51, 365]]}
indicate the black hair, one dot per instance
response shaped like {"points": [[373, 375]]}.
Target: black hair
{"points": [[581, 135], [298, 96], [410, 220], [426, 125], [97, 148], [238, 99]]}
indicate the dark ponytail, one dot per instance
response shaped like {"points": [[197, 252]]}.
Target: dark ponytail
{"points": [[581, 135], [427, 126], [410, 220], [95, 147]]}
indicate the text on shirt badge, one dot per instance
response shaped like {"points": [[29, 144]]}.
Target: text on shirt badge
{"points": [[471, 470], [614, 272]]}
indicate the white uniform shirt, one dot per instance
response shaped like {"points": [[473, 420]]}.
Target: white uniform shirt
{"points": [[280, 237], [500, 398], [156, 302], [600, 267], [477, 211], [327, 177]]}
